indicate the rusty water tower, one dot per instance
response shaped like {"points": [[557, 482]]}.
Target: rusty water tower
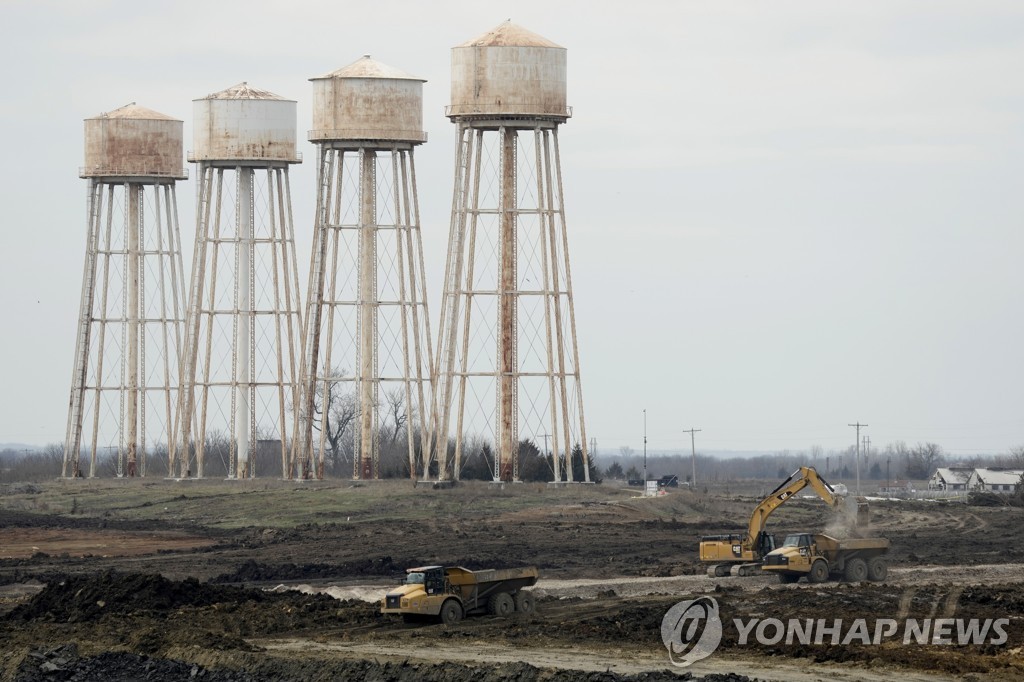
{"points": [[243, 330], [507, 364], [125, 377], [366, 355]]}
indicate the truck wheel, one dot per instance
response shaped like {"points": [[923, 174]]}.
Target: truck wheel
{"points": [[524, 602], [501, 604], [819, 572], [878, 569], [788, 578], [451, 612], [856, 570]]}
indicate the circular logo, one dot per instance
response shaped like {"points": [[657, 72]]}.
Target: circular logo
{"points": [[691, 630]]}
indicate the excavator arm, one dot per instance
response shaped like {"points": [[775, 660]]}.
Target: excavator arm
{"points": [[798, 480]]}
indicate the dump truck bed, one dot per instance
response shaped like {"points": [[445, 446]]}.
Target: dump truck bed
{"points": [[829, 543], [523, 577]]}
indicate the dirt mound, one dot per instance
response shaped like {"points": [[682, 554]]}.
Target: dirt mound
{"points": [[26, 519], [64, 663], [88, 597], [984, 499], [254, 571], [221, 608]]}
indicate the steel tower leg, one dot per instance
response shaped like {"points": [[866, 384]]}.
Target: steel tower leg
{"points": [[367, 313], [507, 451], [72, 442]]}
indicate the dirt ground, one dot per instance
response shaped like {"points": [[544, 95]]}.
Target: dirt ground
{"points": [[226, 581]]}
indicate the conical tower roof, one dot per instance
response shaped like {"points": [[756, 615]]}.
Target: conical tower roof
{"points": [[245, 91], [134, 111], [368, 67], [508, 34]]}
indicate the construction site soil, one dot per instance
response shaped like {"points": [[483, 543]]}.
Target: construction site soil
{"points": [[280, 581]]}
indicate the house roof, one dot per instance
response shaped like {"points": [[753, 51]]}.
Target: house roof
{"points": [[998, 477], [954, 475]]}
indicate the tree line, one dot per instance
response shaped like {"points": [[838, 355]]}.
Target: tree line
{"points": [[897, 461]]}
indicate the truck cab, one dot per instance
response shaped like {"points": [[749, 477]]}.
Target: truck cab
{"points": [[430, 578], [793, 556], [419, 583]]}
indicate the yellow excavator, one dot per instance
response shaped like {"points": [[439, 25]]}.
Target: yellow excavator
{"points": [[742, 554]]}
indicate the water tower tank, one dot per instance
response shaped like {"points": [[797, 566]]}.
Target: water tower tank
{"points": [[367, 100], [509, 71], [133, 142], [243, 124]]}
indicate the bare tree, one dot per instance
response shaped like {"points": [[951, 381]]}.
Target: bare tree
{"points": [[397, 414], [334, 411], [923, 460]]}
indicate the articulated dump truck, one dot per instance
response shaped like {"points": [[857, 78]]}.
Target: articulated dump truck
{"points": [[820, 557], [451, 593]]}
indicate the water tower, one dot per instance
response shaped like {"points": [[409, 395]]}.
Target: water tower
{"points": [[125, 377], [243, 331], [507, 364], [366, 361]]}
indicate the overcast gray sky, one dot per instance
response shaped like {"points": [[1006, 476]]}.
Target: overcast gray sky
{"points": [[784, 216]]}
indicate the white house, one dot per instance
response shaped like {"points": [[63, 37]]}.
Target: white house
{"points": [[952, 478], [995, 480]]}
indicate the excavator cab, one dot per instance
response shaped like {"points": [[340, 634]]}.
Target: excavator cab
{"points": [[765, 542]]}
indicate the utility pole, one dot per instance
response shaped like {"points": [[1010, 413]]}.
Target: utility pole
{"points": [[693, 459], [858, 425], [645, 451], [887, 475], [867, 449]]}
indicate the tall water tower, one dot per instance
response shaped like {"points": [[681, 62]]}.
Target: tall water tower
{"points": [[125, 377], [508, 365], [243, 332], [366, 358]]}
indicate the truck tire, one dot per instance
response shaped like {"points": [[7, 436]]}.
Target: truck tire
{"points": [[451, 612], [818, 572], [501, 604], [856, 570], [878, 569], [524, 602], [788, 578]]}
